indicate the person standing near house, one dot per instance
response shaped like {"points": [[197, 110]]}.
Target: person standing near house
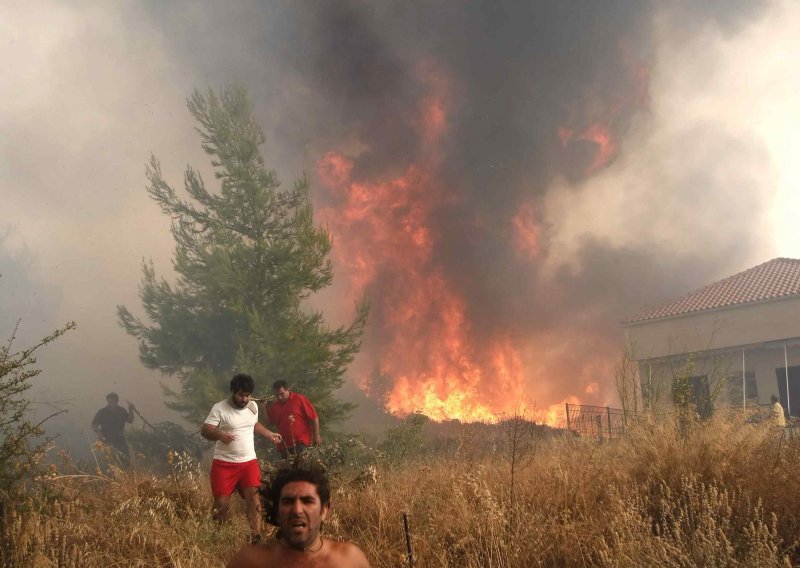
{"points": [[109, 425], [778, 418], [232, 424], [296, 420]]}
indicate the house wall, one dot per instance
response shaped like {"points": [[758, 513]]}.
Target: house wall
{"points": [[658, 374], [719, 329]]}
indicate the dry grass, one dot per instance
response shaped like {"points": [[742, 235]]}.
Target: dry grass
{"points": [[716, 494]]}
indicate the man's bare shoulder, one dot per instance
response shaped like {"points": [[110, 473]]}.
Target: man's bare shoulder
{"points": [[256, 556], [348, 554], [334, 553]]}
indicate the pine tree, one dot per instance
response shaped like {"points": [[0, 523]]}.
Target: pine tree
{"points": [[246, 258]]}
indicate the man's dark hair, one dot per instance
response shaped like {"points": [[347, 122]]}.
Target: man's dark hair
{"points": [[112, 396], [774, 399], [242, 383], [280, 384], [311, 473]]}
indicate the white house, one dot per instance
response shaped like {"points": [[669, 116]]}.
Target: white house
{"points": [[730, 341]]}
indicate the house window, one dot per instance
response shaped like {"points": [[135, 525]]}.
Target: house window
{"points": [[733, 388]]}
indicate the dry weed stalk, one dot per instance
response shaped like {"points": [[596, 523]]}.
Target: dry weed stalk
{"points": [[716, 493]]}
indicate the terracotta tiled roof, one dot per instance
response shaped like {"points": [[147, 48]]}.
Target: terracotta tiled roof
{"points": [[778, 278]]}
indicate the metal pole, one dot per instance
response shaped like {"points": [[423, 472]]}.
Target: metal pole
{"points": [[744, 386], [786, 362]]}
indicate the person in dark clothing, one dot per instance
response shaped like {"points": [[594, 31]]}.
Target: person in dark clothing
{"points": [[109, 424]]}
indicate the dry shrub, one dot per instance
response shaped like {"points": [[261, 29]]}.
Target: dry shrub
{"points": [[717, 493], [123, 519], [696, 494]]}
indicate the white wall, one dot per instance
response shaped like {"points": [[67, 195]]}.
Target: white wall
{"points": [[720, 329]]}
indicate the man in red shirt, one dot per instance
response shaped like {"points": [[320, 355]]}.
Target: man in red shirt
{"points": [[296, 419]]}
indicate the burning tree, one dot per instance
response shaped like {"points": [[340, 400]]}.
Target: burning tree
{"points": [[247, 257]]}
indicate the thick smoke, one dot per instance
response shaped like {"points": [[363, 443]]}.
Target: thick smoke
{"points": [[546, 103], [562, 184]]}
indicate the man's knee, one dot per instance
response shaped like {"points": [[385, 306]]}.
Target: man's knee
{"points": [[222, 502], [251, 494]]}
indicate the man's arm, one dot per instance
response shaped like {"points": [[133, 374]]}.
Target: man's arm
{"points": [[213, 433], [131, 408], [96, 425], [264, 433], [315, 430], [313, 420]]}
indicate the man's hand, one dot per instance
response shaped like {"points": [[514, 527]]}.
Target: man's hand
{"points": [[213, 433], [225, 437], [268, 434], [317, 439]]}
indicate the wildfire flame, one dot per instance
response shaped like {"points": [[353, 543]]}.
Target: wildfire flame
{"points": [[429, 350], [599, 130], [423, 352], [384, 235], [526, 232]]}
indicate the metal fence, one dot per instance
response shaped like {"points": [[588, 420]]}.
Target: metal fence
{"points": [[596, 421], [606, 422]]}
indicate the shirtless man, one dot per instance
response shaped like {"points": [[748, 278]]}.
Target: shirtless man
{"points": [[299, 500]]}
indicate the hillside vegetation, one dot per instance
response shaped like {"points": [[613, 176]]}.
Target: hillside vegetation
{"points": [[705, 494]]}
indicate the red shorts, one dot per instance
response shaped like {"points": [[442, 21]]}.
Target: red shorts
{"points": [[227, 476]]}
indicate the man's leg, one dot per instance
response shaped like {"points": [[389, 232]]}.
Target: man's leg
{"points": [[253, 500], [122, 453], [221, 508], [223, 482], [248, 486]]}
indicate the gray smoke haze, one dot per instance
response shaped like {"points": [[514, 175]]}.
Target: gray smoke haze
{"points": [[89, 90]]}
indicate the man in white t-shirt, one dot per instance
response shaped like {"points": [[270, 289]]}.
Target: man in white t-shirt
{"points": [[231, 424]]}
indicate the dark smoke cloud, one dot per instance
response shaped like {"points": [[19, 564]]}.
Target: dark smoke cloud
{"points": [[518, 72], [104, 86]]}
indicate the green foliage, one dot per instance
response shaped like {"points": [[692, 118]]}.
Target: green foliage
{"points": [[246, 257], [21, 446], [404, 441]]}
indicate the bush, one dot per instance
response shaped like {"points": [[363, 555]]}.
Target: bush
{"points": [[21, 446]]}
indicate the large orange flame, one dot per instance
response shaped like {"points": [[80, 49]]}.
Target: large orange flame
{"points": [[382, 231], [423, 351]]}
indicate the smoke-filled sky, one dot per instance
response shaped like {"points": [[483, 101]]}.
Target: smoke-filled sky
{"points": [[504, 181]]}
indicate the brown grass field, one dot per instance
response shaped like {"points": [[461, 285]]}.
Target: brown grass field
{"points": [[706, 494]]}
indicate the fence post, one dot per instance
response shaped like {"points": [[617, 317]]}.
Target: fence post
{"points": [[608, 413], [567, 405], [408, 540]]}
